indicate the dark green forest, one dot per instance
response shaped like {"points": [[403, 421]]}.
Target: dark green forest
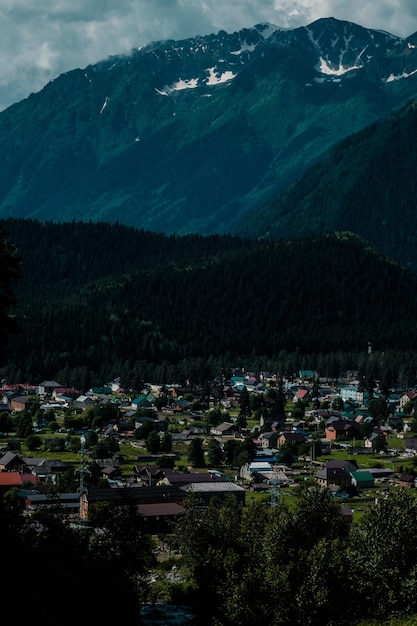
{"points": [[97, 301]]}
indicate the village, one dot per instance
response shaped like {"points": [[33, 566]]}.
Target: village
{"points": [[329, 434]]}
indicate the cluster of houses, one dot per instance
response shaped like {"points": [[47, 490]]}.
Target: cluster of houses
{"points": [[159, 494]]}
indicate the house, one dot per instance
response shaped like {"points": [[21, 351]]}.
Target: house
{"points": [[325, 414], [148, 474], [249, 470], [381, 472], [290, 437], [142, 402], [47, 387], [100, 391], [269, 440], [84, 401], [406, 480], [224, 429], [158, 518], [65, 394], [301, 395], [219, 489], [229, 392], [68, 501], [110, 472], [406, 397], [179, 479], [46, 470], [8, 480], [181, 405], [20, 403], [362, 479], [336, 473], [341, 427], [273, 418], [129, 495], [310, 375], [162, 494], [11, 462], [370, 441], [237, 381], [183, 436], [352, 392]]}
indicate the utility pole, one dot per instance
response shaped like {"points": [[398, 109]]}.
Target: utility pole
{"points": [[274, 492], [83, 470]]}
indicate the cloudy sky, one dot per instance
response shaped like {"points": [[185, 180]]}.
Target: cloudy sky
{"points": [[40, 39]]}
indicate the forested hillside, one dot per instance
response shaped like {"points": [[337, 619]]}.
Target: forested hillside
{"points": [[58, 257], [100, 302], [367, 185]]}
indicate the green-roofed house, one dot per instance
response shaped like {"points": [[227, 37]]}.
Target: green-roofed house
{"points": [[308, 375], [98, 391], [362, 479], [142, 402]]}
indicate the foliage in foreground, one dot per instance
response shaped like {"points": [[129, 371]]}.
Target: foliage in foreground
{"points": [[273, 566], [301, 566], [76, 565]]}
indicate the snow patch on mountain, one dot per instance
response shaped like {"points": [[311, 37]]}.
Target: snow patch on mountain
{"points": [[245, 47], [324, 68], [392, 77], [214, 78], [180, 85], [104, 104]]}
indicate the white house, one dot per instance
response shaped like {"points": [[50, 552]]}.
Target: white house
{"points": [[351, 392]]}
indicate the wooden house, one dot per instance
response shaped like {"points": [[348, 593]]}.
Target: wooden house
{"points": [[338, 428], [20, 403], [290, 437]]}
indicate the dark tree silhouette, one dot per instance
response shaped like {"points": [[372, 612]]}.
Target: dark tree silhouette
{"points": [[10, 270]]}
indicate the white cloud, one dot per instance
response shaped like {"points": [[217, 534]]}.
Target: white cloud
{"points": [[40, 40]]}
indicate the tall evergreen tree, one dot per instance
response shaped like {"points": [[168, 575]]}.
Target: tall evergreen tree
{"points": [[196, 453], [10, 271]]}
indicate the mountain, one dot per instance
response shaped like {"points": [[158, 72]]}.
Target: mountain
{"points": [[366, 185], [194, 136]]}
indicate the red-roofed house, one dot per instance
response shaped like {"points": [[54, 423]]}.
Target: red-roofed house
{"points": [[301, 395], [9, 480]]}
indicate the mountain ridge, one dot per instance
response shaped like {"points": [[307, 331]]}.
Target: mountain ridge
{"points": [[194, 136]]}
